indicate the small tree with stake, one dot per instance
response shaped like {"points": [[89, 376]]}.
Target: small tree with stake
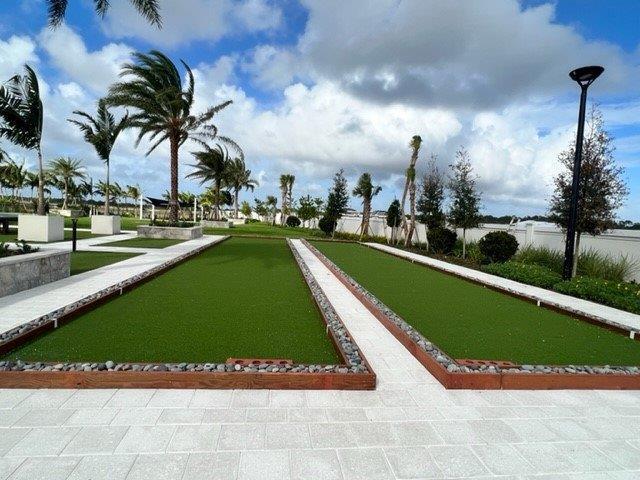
{"points": [[337, 200], [602, 189], [465, 199], [394, 218], [431, 198]]}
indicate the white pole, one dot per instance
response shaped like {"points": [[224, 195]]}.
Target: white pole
{"points": [[140, 207], [195, 209]]}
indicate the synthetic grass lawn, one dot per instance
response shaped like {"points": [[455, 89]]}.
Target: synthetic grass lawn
{"points": [[68, 236], [244, 298], [126, 223], [266, 230], [84, 261], [469, 321], [143, 242]]}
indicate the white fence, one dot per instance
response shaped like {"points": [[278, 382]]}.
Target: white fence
{"points": [[614, 243]]}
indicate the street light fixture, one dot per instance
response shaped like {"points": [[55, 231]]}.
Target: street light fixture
{"points": [[584, 76]]}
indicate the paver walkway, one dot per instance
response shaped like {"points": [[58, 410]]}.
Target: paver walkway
{"points": [[30, 304], [410, 427], [608, 314]]}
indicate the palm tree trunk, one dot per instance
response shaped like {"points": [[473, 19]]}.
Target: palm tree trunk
{"points": [[235, 203], [412, 207], [107, 193], [366, 212], [66, 194], [40, 210], [173, 199], [216, 206]]}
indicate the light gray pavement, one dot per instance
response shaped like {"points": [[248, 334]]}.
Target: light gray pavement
{"points": [[608, 314], [410, 427], [30, 304]]}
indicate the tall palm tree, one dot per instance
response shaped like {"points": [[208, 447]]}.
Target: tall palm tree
{"points": [[149, 9], [212, 166], [239, 178], [66, 169], [410, 187], [153, 87], [286, 192], [366, 190], [272, 207], [21, 113], [101, 131]]}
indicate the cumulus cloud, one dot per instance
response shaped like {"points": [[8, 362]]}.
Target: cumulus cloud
{"points": [[68, 52], [455, 53], [14, 53], [190, 20]]}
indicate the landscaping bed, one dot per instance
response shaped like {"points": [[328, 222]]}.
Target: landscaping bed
{"points": [[244, 299], [450, 320]]}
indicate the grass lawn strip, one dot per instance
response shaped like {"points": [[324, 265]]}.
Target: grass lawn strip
{"points": [[85, 261], [244, 298], [143, 242], [469, 321]]}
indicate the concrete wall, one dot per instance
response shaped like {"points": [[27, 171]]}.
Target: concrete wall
{"points": [[615, 243], [22, 272]]}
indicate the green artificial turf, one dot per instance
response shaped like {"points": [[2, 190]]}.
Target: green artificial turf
{"points": [[244, 298], [12, 236], [469, 321], [143, 242], [265, 229], [126, 223], [84, 261]]}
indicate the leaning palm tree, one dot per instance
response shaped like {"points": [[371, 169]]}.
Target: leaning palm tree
{"points": [[410, 187], [153, 87], [239, 178], [149, 9], [212, 166], [66, 169], [366, 190], [101, 131], [21, 114]]}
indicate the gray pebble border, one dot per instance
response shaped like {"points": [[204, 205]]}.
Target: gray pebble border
{"points": [[450, 364], [356, 365]]}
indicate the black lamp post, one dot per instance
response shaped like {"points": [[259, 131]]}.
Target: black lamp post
{"points": [[585, 76]]}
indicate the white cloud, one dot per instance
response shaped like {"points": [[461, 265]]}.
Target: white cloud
{"points": [[271, 67], [188, 20], [96, 70], [14, 53]]}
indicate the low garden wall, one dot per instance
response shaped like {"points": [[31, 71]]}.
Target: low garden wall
{"points": [[175, 233], [22, 272]]}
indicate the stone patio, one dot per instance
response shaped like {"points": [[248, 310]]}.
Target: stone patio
{"points": [[410, 427]]}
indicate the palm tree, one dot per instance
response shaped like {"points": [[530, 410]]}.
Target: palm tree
{"points": [[21, 113], [163, 109], [239, 178], [134, 192], [149, 9], [366, 190], [410, 187], [286, 191], [66, 169], [272, 207], [212, 166], [101, 131]]}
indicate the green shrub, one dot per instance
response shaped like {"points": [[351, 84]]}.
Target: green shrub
{"points": [[625, 296], [327, 225], [441, 240], [498, 246], [520, 272], [474, 254], [542, 256], [293, 221], [251, 220]]}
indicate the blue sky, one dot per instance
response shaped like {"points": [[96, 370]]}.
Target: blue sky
{"points": [[320, 85]]}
